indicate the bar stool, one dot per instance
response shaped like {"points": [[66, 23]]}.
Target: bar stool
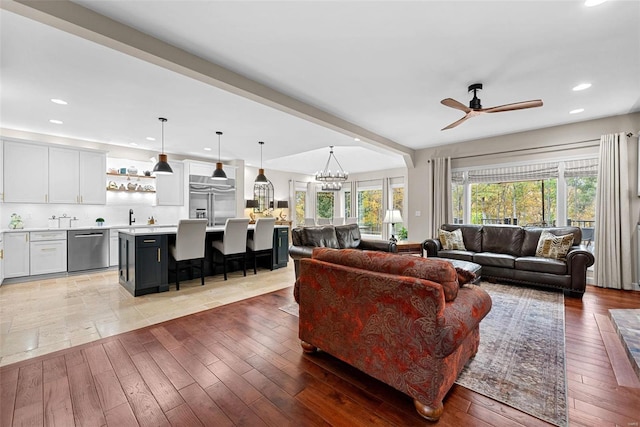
{"points": [[261, 244], [189, 246], [233, 243]]}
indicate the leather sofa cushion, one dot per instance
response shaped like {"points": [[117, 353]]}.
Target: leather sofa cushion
{"points": [[532, 236], [495, 260], [348, 236], [433, 269], [461, 255], [323, 237], [541, 265], [502, 239], [471, 235]]}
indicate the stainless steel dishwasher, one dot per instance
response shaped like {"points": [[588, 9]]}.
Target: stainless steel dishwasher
{"points": [[87, 249]]}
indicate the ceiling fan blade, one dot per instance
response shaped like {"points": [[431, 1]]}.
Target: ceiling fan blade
{"points": [[456, 123], [455, 104], [514, 106]]}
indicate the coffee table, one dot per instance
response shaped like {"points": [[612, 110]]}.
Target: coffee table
{"points": [[409, 248]]}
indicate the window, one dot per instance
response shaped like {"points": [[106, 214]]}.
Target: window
{"points": [[370, 214], [347, 204], [518, 203], [301, 197], [527, 195], [324, 204]]}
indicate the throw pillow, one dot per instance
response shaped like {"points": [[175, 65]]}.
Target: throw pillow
{"points": [[451, 240], [552, 246]]}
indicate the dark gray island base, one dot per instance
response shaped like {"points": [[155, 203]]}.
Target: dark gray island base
{"points": [[143, 257]]}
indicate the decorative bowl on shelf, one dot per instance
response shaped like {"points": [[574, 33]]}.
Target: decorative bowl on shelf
{"points": [[132, 170]]}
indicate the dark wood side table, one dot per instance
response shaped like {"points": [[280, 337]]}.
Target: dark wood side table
{"points": [[409, 248]]}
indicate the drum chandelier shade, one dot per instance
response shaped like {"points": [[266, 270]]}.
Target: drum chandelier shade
{"points": [[162, 167], [332, 181], [261, 178], [218, 173]]}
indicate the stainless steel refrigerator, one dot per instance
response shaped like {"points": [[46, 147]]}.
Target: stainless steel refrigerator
{"points": [[214, 200]]}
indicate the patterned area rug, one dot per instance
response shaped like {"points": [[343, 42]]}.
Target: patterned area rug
{"points": [[521, 359]]}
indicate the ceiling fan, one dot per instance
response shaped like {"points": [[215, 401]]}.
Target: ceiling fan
{"points": [[475, 108]]}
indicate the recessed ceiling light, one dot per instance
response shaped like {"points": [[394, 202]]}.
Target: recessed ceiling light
{"points": [[55, 122], [356, 139], [133, 144], [591, 3], [150, 138], [207, 148], [576, 111], [582, 86], [59, 101]]}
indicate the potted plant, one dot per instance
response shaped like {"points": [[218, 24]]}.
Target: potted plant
{"points": [[99, 222]]}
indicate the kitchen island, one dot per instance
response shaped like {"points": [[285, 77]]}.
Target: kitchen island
{"points": [[143, 255]]}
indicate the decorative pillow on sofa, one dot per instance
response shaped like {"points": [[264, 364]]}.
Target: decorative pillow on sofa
{"points": [[451, 240], [552, 246]]}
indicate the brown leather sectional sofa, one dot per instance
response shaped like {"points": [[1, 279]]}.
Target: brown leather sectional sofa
{"points": [[304, 239], [507, 252]]}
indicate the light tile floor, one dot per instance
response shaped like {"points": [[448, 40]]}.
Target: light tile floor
{"points": [[42, 316]]}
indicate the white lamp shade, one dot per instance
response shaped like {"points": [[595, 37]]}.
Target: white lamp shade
{"points": [[393, 216]]}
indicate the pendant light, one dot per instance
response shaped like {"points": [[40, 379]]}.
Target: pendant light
{"points": [[162, 167], [219, 174], [261, 179]]}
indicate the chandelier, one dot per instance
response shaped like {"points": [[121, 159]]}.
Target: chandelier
{"points": [[332, 181]]}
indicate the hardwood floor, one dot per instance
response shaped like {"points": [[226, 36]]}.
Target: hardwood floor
{"points": [[241, 364]]}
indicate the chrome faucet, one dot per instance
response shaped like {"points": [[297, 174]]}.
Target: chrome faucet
{"points": [[131, 218]]}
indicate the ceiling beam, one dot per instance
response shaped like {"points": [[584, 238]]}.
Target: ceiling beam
{"points": [[85, 23]]}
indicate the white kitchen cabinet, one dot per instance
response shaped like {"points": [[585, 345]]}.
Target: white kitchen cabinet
{"points": [[64, 175], [1, 174], [26, 172], [170, 187], [92, 186], [76, 176], [48, 252], [1, 258], [16, 254], [113, 247]]}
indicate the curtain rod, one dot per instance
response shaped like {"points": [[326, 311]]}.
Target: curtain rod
{"points": [[530, 149]]}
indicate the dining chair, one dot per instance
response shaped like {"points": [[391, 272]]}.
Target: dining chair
{"points": [[309, 222], [324, 221], [234, 242], [261, 243], [189, 246], [338, 220]]}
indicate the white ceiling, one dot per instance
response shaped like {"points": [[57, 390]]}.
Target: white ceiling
{"points": [[381, 65]]}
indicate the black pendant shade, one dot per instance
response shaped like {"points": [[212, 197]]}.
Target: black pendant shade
{"points": [[162, 167], [261, 178], [219, 174]]}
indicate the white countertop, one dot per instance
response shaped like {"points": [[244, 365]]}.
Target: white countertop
{"points": [[173, 230], [89, 227]]}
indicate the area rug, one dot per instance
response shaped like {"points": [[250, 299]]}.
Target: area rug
{"points": [[521, 359]]}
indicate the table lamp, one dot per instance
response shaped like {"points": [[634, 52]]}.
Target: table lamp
{"points": [[392, 217], [252, 204], [282, 204]]}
